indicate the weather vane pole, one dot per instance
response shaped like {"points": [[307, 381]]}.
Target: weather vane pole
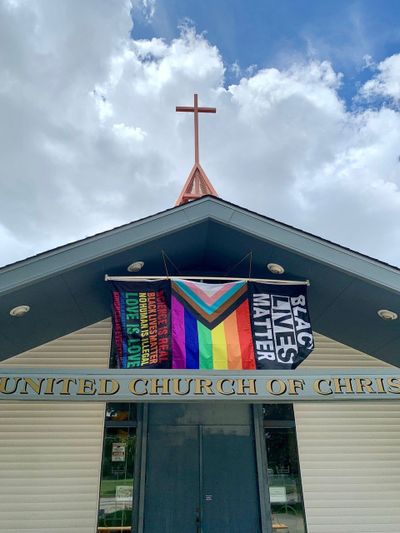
{"points": [[197, 184]]}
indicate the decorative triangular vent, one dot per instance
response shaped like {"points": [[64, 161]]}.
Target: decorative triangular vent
{"points": [[196, 186]]}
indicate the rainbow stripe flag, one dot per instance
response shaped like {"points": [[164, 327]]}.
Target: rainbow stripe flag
{"points": [[182, 324], [211, 326]]}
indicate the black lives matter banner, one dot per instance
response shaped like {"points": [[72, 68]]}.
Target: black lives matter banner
{"points": [[273, 333], [141, 325], [282, 334]]}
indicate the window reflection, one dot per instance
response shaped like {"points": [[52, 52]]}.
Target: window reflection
{"points": [[121, 412], [283, 470], [117, 480]]}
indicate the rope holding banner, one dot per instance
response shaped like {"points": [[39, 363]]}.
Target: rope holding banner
{"points": [[165, 263]]}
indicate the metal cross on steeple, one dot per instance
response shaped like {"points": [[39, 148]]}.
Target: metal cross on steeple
{"points": [[197, 184]]}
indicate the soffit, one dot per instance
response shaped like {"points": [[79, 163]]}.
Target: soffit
{"points": [[66, 290]]}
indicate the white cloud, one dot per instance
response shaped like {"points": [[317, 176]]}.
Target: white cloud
{"points": [[90, 137], [387, 82], [147, 7], [129, 133], [368, 62]]}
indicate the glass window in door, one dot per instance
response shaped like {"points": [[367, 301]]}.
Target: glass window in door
{"points": [[117, 477], [284, 480]]}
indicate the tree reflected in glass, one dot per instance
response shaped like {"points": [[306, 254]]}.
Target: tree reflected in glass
{"points": [[117, 481], [283, 470]]}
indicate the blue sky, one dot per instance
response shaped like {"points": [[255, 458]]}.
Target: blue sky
{"points": [[307, 131], [275, 33]]}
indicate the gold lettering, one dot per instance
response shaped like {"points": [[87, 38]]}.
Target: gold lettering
{"points": [[35, 386], [244, 384], [219, 385], [270, 386], [203, 385], [133, 386], [105, 383], [364, 385], [182, 386], [317, 386], [49, 386], [3, 385], [177, 386], [66, 383], [86, 386], [343, 383], [294, 385], [155, 386], [394, 385], [380, 386]]}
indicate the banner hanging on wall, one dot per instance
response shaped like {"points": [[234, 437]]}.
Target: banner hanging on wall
{"points": [[211, 326], [141, 335], [281, 327], [183, 324]]}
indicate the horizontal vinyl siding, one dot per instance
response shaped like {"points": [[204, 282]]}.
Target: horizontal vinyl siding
{"points": [[50, 452], [332, 354], [50, 456], [86, 348], [350, 465], [89, 348]]}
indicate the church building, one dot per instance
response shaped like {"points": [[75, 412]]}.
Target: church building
{"points": [[86, 447]]}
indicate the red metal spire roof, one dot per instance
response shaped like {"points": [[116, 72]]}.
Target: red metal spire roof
{"points": [[197, 184]]}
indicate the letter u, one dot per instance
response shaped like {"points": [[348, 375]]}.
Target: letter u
{"points": [[3, 385], [177, 386]]}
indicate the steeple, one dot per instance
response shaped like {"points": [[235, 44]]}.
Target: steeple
{"points": [[197, 184]]}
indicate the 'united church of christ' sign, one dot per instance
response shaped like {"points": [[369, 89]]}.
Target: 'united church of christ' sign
{"points": [[125, 385]]}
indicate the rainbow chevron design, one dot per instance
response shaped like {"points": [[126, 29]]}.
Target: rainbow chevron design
{"points": [[210, 303], [211, 326]]}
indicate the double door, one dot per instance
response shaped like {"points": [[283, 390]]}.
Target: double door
{"points": [[201, 474]]}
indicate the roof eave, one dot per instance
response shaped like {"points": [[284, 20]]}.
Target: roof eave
{"points": [[90, 249]]}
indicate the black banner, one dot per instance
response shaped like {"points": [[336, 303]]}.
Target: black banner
{"points": [[282, 334]]}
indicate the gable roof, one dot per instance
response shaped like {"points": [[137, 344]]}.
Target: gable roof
{"points": [[66, 290]]}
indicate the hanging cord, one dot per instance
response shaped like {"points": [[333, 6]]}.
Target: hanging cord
{"points": [[208, 278], [250, 263], [248, 255], [165, 256], [165, 263], [239, 262]]}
